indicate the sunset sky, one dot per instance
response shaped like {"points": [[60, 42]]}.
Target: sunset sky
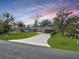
{"points": [[24, 9]]}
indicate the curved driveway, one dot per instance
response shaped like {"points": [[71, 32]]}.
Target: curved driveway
{"points": [[9, 50], [40, 40]]}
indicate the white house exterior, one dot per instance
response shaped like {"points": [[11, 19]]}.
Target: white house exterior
{"points": [[42, 29]]}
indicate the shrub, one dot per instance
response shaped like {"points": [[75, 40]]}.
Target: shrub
{"points": [[4, 28], [53, 33]]}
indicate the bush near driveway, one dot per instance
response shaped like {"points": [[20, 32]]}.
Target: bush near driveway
{"points": [[53, 32]]}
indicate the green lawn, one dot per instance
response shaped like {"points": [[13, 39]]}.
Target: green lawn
{"points": [[20, 35], [63, 42]]}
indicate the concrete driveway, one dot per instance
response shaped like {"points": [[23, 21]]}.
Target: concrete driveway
{"points": [[40, 40]]}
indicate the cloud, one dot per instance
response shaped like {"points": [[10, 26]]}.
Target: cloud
{"points": [[47, 11], [23, 9], [75, 11], [26, 21]]}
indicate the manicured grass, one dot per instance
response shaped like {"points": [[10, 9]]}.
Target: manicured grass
{"points": [[20, 35], [63, 42]]}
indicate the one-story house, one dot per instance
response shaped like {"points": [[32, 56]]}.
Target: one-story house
{"points": [[45, 29]]}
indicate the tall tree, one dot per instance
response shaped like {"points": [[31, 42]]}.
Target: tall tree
{"points": [[71, 24], [21, 26], [45, 23], [9, 20], [8, 17], [6, 22], [36, 18], [57, 24], [62, 15]]}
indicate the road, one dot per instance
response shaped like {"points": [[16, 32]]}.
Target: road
{"points": [[11, 50], [40, 40]]}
